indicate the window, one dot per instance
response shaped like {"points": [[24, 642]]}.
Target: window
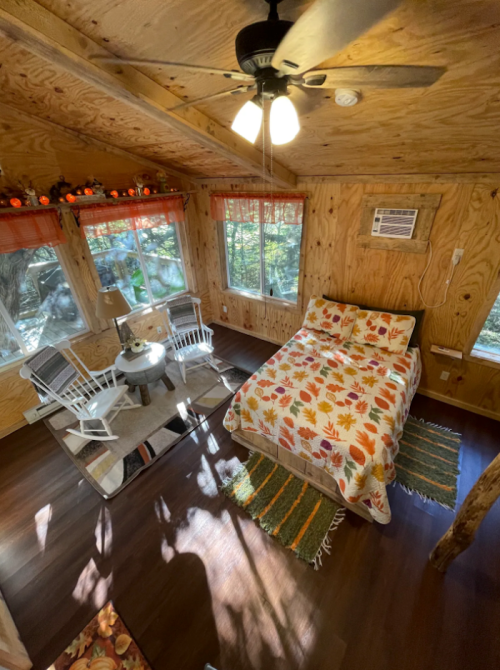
{"points": [[37, 305], [488, 341], [262, 236], [145, 263], [264, 257]]}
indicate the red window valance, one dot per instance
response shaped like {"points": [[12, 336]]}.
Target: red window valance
{"points": [[258, 207], [108, 219], [30, 230]]}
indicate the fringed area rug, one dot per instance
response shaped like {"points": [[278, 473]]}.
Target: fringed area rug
{"points": [[427, 462], [105, 644], [146, 433], [289, 509]]}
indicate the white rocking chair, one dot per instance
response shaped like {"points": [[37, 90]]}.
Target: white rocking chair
{"points": [[191, 339], [94, 397]]}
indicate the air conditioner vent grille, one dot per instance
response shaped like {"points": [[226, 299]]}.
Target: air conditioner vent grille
{"points": [[394, 223]]}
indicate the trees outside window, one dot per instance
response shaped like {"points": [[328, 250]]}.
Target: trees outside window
{"points": [[489, 337], [37, 305], [146, 264], [261, 257]]}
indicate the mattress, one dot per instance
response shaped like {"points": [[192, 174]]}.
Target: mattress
{"points": [[340, 406]]}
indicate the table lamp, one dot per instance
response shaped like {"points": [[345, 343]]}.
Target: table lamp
{"points": [[111, 304]]}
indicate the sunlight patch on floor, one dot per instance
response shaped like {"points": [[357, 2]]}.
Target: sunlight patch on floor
{"points": [[92, 586], [42, 520], [206, 480], [104, 532], [259, 609], [212, 444], [161, 510]]}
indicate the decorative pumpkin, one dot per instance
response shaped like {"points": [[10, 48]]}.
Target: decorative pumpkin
{"points": [[146, 191], [44, 200], [99, 663], [114, 194], [88, 191], [131, 191], [15, 202], [122, 643], [70, 197]]}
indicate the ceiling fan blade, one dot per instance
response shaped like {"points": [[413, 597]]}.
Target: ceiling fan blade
{"points": [[326, 28], [373, 76], [229, 74], [215, 96], [306, 100]]}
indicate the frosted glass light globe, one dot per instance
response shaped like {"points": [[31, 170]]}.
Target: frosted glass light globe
{"points": [[284, 122], [248, 121]]}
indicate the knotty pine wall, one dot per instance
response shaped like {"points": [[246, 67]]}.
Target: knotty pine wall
{"points": [[468, 218]]}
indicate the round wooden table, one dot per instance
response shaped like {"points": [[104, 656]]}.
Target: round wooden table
{"points": [[144, 369]]}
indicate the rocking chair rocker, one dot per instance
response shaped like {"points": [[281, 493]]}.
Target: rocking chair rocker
{"points": [[191, 339], [94, 397]]}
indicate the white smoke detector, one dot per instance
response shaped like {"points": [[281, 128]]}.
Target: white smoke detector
{"points": [[346, 97]]}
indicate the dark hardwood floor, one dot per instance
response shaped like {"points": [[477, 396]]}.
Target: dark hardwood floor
{"points": [[196, 580]]}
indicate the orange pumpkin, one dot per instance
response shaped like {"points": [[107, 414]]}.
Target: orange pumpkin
{"points": [[100, 663]]}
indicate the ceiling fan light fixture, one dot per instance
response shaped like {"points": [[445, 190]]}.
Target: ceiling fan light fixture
{"points": [[248, 120], [284, 121]]}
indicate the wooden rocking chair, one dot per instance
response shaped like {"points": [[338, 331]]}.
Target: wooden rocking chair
{"points": [[94, 397], [191, 339]]}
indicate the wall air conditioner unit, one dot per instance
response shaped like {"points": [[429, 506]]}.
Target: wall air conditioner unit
{"points": [[395, 223]]}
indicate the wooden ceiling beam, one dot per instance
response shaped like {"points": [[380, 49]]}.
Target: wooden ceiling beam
{"points": [[98, 144], [44, 34]]}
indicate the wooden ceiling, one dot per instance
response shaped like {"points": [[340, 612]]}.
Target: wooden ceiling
{"points": [[451, 127]]}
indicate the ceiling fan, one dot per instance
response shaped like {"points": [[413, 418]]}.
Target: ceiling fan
{"points": [[277, 55]]}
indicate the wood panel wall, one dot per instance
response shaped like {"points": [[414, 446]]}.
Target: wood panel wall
{"points": [[468, 218]]}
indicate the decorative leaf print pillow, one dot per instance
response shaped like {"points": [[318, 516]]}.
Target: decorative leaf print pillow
{"points": [[333, 318], [390, 332]]}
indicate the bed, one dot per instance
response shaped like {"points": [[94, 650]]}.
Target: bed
{"points": [[331, 412]]}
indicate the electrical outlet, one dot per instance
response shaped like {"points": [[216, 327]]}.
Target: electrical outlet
{"points": [[224, 308], [457, 256], [159, 329], [445, 375]]}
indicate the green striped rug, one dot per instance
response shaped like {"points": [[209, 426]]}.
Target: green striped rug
{"points": [[428, 462], [289, 509]]}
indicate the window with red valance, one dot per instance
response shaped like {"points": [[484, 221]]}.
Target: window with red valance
{"points": [[258, 207], [262, 237], [107, 219], [37, 303], [136, 246], [30, 230]]}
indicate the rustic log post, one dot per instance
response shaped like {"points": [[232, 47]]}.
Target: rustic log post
{"points": [[476, 505]]}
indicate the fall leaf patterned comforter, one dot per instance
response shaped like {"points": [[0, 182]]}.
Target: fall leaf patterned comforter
{"points": [[341, 406]]}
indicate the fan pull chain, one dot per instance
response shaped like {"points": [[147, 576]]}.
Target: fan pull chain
{"points": [[273, 209]]}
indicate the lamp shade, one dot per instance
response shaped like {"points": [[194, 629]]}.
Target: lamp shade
{"points": [[111, 303]]}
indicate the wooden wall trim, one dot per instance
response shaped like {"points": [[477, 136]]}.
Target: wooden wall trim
{"points": [[46, 35], [492, 178], [490, 414]]}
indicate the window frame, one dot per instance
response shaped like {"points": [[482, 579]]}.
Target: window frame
{"points": [[17, 335], [142, 264], [480, 356], [295, 306]]}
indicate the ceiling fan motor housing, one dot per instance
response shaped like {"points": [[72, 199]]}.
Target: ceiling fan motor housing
{"points": [[256, 44]]}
